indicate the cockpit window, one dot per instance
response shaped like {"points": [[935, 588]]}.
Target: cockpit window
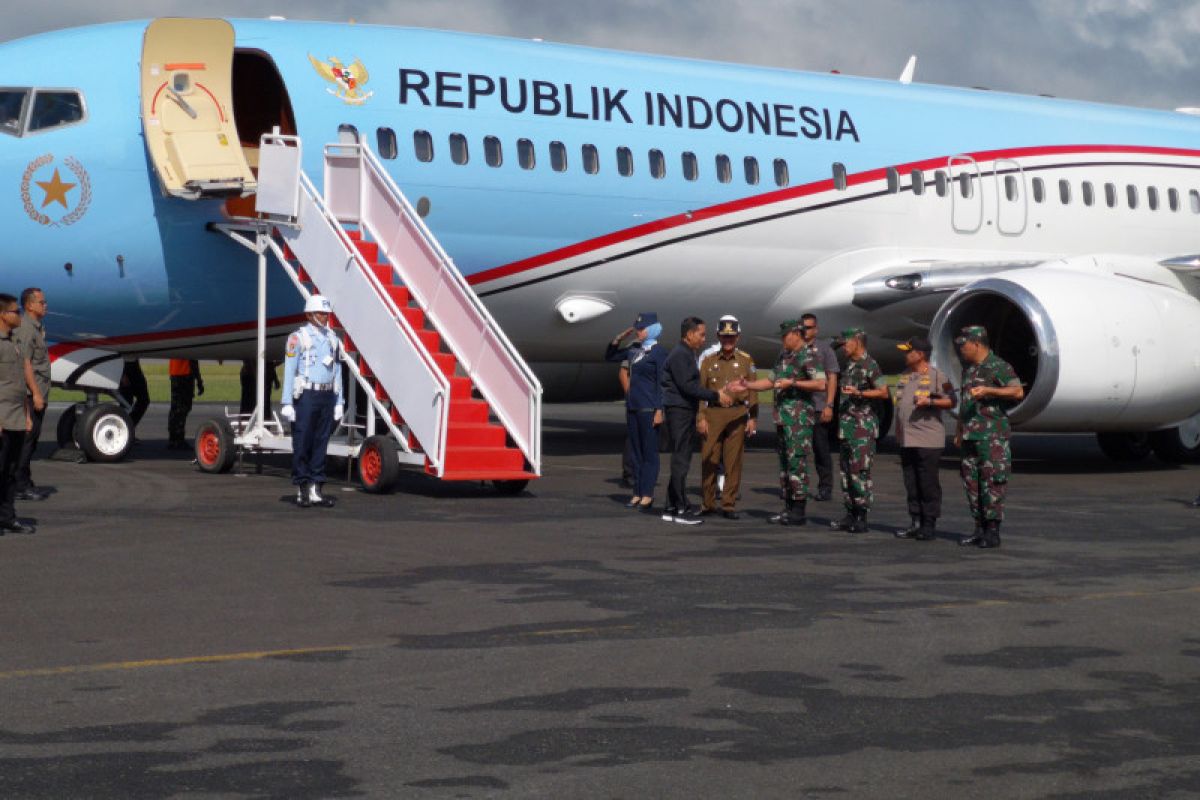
{"points": [[12, 101], [53, 109]]}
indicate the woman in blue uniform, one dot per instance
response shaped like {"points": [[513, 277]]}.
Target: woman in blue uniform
{"points": [[644, 401]]}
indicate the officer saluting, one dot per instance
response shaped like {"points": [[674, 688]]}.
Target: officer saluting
{"points": [[312, 399]]}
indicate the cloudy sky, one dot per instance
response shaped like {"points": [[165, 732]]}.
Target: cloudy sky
{"points": [[1138, 52]]}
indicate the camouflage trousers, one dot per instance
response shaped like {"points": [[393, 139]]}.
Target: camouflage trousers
{"points": [[793, 442], [857, 457], [986, 464], [182, 390]]}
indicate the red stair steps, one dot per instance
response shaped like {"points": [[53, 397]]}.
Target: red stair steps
{"points": [[472, 411], [475, 435]]}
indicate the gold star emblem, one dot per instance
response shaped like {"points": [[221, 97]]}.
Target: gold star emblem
{"points": [[56, 190]]}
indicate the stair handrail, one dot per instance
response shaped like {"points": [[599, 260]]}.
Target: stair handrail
{"points": [[529, 443]]}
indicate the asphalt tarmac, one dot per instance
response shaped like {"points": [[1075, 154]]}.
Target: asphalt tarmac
{"points": [[172, 634]]}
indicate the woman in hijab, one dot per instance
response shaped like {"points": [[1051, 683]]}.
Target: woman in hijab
{"points": [[643, 403]]}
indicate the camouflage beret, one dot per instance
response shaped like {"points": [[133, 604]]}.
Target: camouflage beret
{"points": [[972, 333], [790, 325], [852, 333]]}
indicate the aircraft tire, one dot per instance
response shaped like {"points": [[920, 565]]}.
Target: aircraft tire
{"points": [[1126, 448], [511, 488], [1179, 445], [65, 432], [215, 448], [378, 465], [104, 433]]}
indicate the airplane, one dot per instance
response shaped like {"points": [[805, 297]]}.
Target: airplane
{"points": [[575, 187]]}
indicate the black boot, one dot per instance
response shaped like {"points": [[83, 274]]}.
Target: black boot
{"points": [[911, 531], [796, 515], [846, 523], [991, 535], [318, 499], [1196, 502], [928, 529], [784, 517], [860, 521], [974, 539], [302, 496]]}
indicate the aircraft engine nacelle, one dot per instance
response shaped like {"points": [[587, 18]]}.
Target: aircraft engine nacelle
{"points": [[1100, 345]]}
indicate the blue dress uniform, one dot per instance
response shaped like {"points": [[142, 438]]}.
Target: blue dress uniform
{"points": [[312, 380]]}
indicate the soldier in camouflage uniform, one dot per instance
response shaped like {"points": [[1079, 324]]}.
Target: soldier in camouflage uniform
{"points": [[858, 428], [989, 387], [798, 373]]}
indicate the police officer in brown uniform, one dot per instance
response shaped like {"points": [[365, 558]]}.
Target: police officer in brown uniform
{"points": [[14, 414], [725, 429]]}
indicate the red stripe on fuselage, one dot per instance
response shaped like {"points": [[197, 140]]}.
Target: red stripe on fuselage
{"points": [[63, 348], [792, 193]]}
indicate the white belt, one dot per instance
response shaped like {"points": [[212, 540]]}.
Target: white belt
{"points": [[319, 387]]}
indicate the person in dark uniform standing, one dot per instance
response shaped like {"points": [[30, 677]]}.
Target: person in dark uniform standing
{"points": [[825, 429], [643, 403], [248, 378], [185, 383], [922, 394], [682, 394], [990, 386], [31, 340], [725, 429], [15, 419], [135, 390], [312, 399], [858, 428]]}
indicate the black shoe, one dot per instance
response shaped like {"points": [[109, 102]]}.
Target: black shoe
{"points": [[927, 531], [302, 496], [731, 515], [991, 536], [669, 513], [784, 517], [860, 521], [16, 526], [974, 539], [688, 517], [846, 523], [30, 494], [317, 499], [634, 503], [911, 531], [823, 495], [1196, 502]]}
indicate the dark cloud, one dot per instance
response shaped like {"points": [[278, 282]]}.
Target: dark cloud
{"points": [[1138, 52]]}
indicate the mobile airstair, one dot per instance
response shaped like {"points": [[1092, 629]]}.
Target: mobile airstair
{"points": [[443, 388]]}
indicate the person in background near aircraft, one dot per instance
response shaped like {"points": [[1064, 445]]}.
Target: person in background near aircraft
{"points": [[627, 469], [858, 428], [825, 432], [643, 402], [989, 386], [682, 394], [312, 399], [798, 374], [135, 390], [247, 379], [31, 339], [725, 429], [15, 419], [921, 395], [185, 383]]}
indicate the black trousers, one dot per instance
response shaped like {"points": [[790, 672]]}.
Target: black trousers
{"points": [[921, 484], [135, 390], [10, 453], [681, 432], [183, 389], [825, 443], [24, 478]]}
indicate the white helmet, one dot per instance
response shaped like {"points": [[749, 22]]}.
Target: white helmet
{"points": [[317, 305]]}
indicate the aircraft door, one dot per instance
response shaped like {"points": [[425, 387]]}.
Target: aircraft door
{"points": [[187, 107], [1012, 204], [966, 195]]}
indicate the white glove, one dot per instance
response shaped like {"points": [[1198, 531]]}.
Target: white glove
{"points": [[338, 410], [288, 413]]}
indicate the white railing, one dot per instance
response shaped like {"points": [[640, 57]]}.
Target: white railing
{"points": [[359, 190], [418, 389]]}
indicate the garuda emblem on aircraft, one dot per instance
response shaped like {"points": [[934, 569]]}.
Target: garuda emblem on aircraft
{"points": [[61, 201], [348, 80]]}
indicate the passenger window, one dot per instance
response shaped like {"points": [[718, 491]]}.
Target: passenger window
{"points": [[1110, 195], [750, 164], [1089, 193], [423, 145], [893, 180], [591, 159], [1064, 192], [781, 173], [724, 169], [1173, 199], [385, 142], [55, 109], [459, 153], [918, 182], [12, 101], [1194, 199], [964, 185], [691, 167], [493, 153], [558, 157], [525, 154], [1010, 188], [839, 176], [658, 164], [942, 183], [624, 161], [1152, 198], [1039, 190], [1131, 195]]}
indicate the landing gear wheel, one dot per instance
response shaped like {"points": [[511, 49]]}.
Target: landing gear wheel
{"points": [[1178, 445], [1124, 447], [215, 450], [510, 488], [66, 427], [104, 433], [378, 464]]}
